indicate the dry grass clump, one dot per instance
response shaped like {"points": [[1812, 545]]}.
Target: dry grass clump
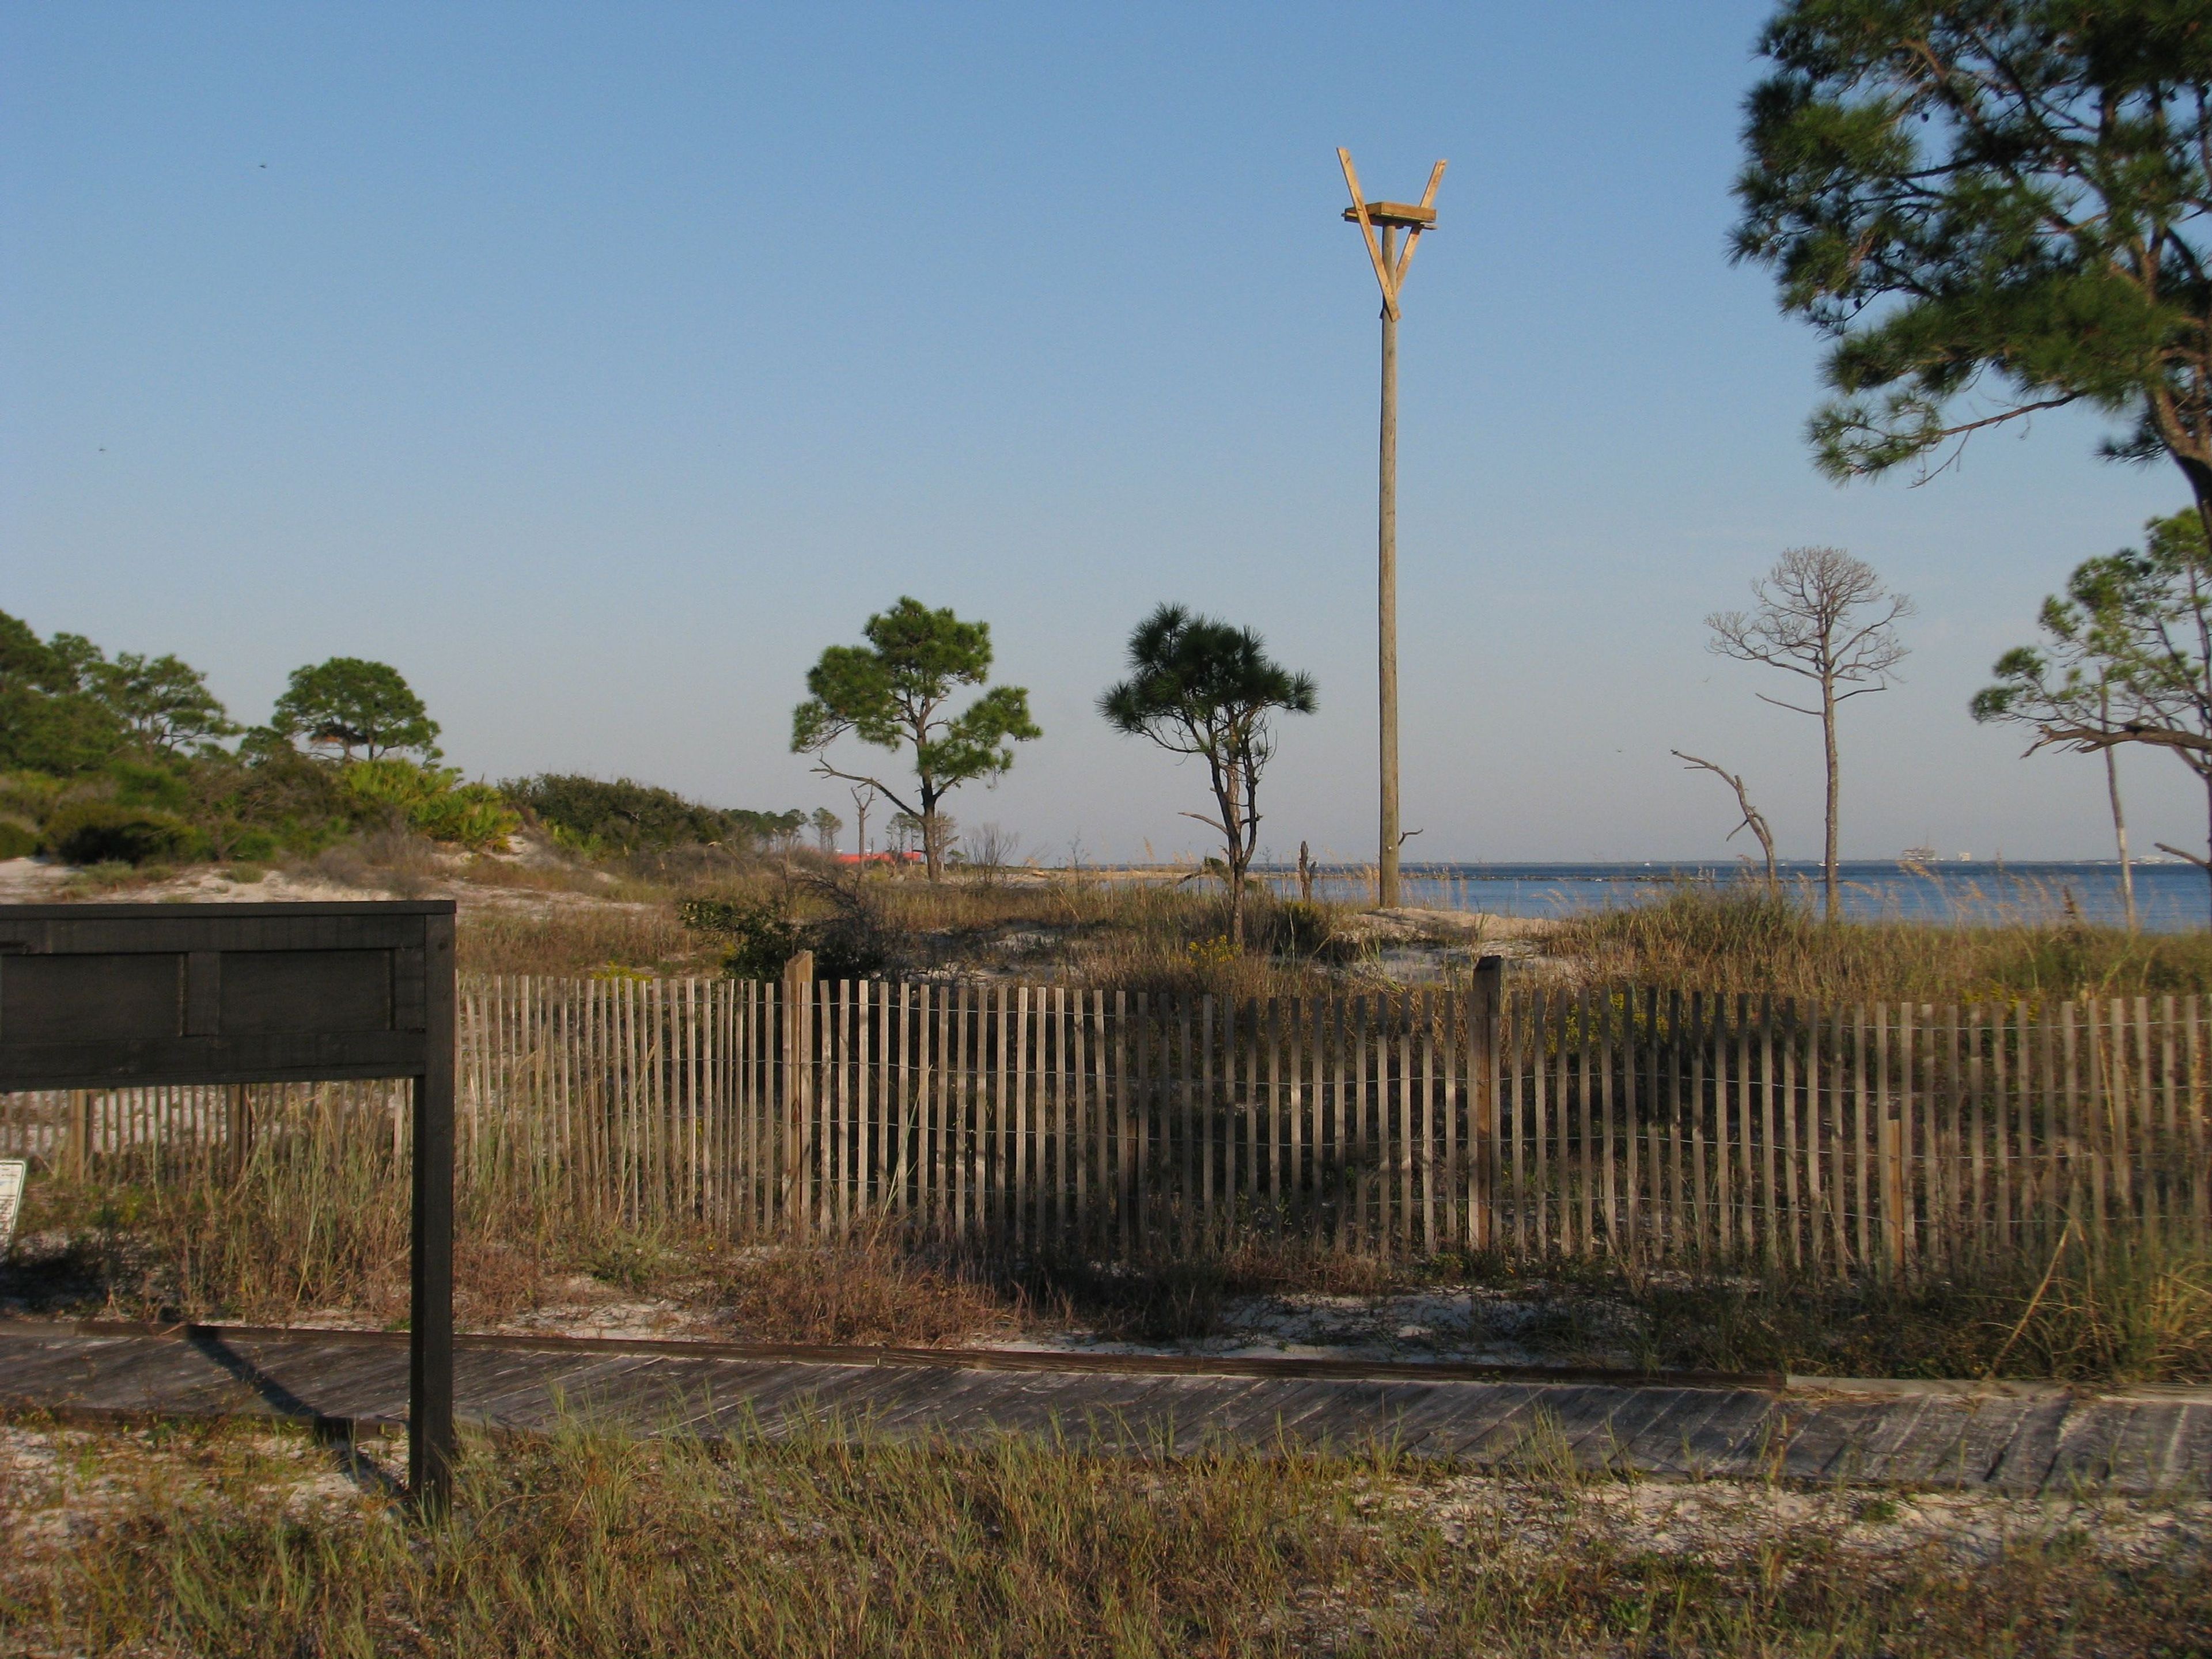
{"points": [[2134, 1310], [579, 941], [863, 1293], [1170, 1291], [225, 1543], [389, 859], [315, 1224], [1111, 935], [1149, 936], [1741, 937]]}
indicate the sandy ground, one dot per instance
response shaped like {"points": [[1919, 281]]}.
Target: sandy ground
{"points": [[1464, 1325], [1460, 1324], [35, 881], [1451, 1324]]}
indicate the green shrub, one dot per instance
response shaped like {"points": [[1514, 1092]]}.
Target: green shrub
{"points": [[851, 943], [18, 840], [471, 814], [432, 800], [28, 795], [254, 847], [163, 787], [762, 938], [596, 817], [1297, 928], [92, 831]]}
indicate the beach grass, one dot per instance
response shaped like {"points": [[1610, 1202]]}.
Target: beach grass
{"points": [[1740, 937], [234, 1542]]}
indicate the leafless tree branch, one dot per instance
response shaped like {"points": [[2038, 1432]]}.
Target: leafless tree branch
{"points": [[1753, 820]]}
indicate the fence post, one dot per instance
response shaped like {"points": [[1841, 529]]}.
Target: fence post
{"points": [[1894, 1191], [80, 1134], [238, 1127], [797, 1068], [1485, 1002]]}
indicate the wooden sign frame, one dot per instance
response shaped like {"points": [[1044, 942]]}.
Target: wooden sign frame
{"points": [[122, 996]]}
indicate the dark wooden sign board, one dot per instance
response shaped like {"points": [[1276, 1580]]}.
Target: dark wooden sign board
{"points": [[119, 996]]}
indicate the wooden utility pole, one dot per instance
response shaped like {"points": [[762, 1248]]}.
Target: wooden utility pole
{"points": [[1379, 224]]}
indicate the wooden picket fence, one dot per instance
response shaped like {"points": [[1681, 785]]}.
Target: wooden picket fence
{"points": [[1664, 1127]]}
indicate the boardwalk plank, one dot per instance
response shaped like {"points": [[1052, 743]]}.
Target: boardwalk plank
{"points": [[42, 1371], [1243, 1416], [1657, 1446], [781, 1397], [1220, 1409], [928, 1398], [1127, 1415], [1873, 1451], [144, 1379], [2145, 1454], [1364, 1416], [2084, 1453], [662, 1396], [1981, 1443], [1423, 1416], [589, 1394], [2154, 1445], [1290, 1422], [1587, 1416], [335, 1382], [1941, 1448], [2193, 1459], [1492, 1428], [724, 1402], [2026, 1462], [1631, 1412], [1707, 1443]]}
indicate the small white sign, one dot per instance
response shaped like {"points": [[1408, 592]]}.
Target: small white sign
{"points": [[12, 1170]]}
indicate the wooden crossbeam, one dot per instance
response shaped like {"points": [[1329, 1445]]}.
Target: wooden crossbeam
{"points": [[1403, 214], [1383, 274], [1413, 234], [1390, 275]]}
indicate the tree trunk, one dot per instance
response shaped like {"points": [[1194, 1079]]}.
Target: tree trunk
{"points": [[1228, 785], [1828, 739], [2119, 817], [933, 850], [2208, 835]]}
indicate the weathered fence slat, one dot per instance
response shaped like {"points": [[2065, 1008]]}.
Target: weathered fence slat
{"points": [[1899, 1137]]}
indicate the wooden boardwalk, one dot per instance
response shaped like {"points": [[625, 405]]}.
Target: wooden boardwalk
{"points": [[2020, 1441]]}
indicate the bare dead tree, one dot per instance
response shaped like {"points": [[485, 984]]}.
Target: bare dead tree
{"points": [[1753, 819], [863, 797], [1825, 615]]}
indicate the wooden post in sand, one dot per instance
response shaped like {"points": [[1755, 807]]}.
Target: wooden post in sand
{"points": [[1388, 218]]}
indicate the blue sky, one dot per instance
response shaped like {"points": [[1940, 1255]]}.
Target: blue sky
{"points": [[596, 365]]}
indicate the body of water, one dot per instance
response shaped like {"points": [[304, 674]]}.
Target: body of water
{"points": [[2169, 896]]}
